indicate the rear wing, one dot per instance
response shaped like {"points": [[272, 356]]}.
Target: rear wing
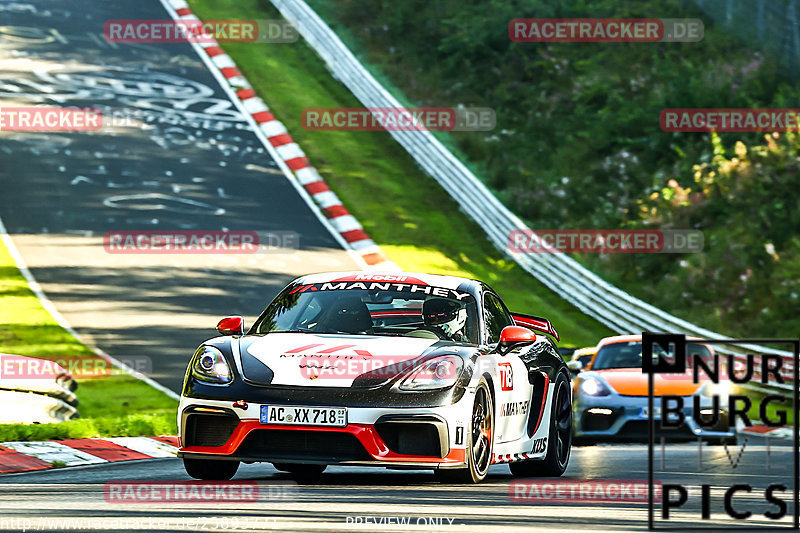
{"points": [[536, 323]]}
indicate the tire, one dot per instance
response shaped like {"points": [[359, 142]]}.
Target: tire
{"points": [[559, 438], [480, 440], [210, 469], [301, 471]]}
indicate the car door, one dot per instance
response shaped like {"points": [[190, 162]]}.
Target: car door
{"points": [[513, 391]]}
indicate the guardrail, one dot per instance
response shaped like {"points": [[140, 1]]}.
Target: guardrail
{"points": [[30, 408], [597, 298], [34, 390]]}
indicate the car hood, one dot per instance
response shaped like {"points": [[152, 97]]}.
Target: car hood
{"points": [[633, 382], [305, 359]]}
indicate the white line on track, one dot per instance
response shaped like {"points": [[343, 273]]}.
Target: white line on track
{"points": [[61, 321]]}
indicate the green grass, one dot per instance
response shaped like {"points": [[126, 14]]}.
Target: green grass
{"points": [[406, 212], [134, 425], [113, 405], [773, 408]]}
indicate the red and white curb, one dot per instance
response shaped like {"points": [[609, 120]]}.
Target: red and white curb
{"points": [[339, 218], [41, 455], [509, 458], [767, 431]]}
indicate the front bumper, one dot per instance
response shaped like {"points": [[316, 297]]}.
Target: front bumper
{"points": [[617, 417], [395, 437]]}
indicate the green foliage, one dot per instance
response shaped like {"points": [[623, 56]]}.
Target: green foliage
{"points": [[578, 142], [747, 198]]}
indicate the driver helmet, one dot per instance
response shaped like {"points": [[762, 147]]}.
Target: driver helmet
{"points": [[448, 315]]}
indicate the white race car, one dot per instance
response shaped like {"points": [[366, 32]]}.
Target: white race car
{"points": [[396, 370]]}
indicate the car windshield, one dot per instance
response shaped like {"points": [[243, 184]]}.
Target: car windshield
{"points": [[629, 354], [699, 350], [417, 311], [621, 355]]}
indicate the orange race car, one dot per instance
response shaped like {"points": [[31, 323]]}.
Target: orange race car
{"points": [[610, 396]]}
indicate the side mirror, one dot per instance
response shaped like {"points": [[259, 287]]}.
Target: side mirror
{"points": [[574, 366], [513, 337], [231, 325]]}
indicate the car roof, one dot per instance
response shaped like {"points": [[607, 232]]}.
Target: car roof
{"points": [[436, 280], [638, 338], [619, 338]]}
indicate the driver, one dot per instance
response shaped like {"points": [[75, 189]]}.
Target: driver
{"points": [[446, 318]]}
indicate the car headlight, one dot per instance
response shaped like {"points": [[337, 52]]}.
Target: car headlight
{"points": [[594, 387], [436, 373], [722, 389], [209, 365]]}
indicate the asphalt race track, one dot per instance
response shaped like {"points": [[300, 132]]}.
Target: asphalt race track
{"points": [[183, 157], [345, 498], [178, 156]]}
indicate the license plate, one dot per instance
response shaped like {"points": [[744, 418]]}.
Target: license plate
{"points": [[291, 415], [656, 412]]}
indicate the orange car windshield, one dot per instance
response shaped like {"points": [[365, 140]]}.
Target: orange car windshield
{"points": [[619, 355], [629, 354]]}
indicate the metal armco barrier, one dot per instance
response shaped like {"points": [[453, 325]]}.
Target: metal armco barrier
{"points": [[36, 394]]}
